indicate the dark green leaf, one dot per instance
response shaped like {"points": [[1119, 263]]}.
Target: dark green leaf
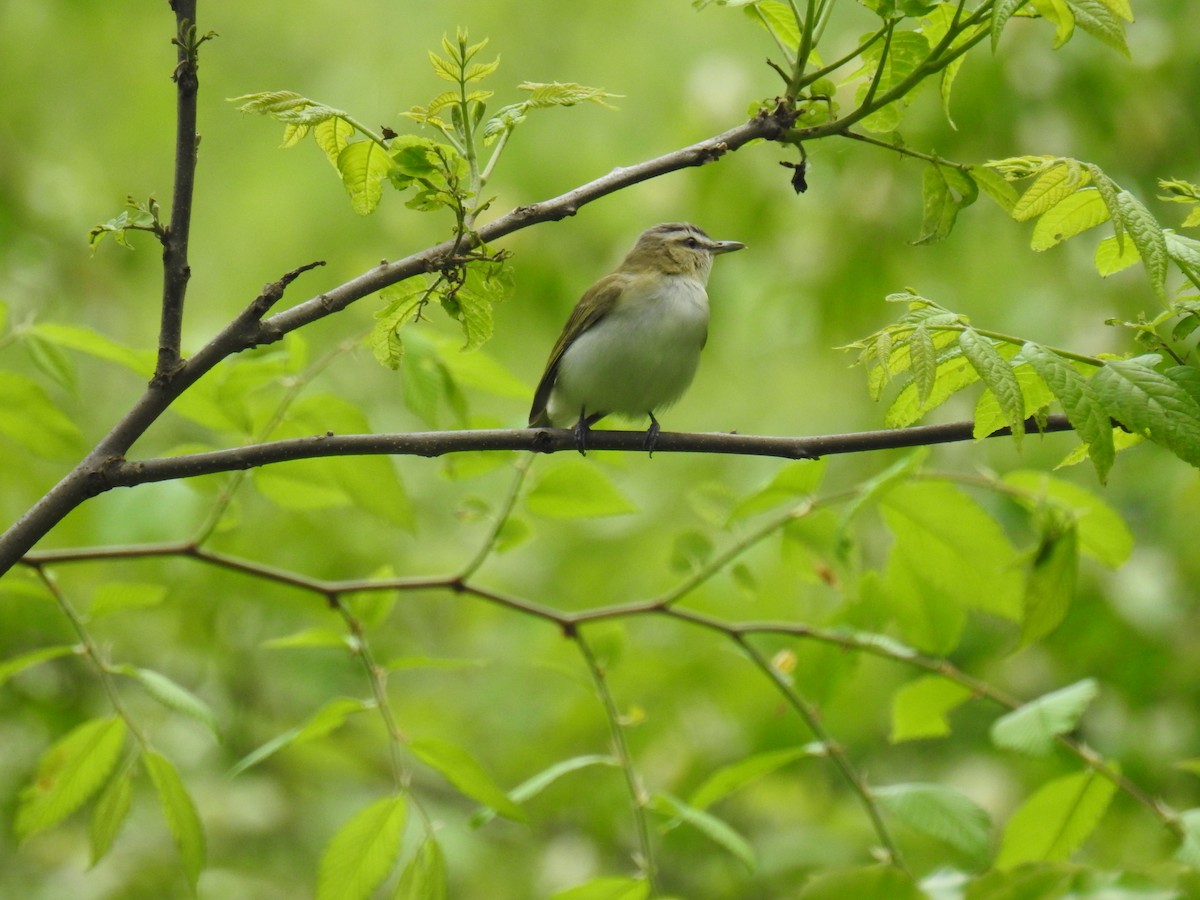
{"points": [[1148, 237], [1146, 401], [716, 830], [1053, 571], [1081, 403], [883, 882], [998, 375]]}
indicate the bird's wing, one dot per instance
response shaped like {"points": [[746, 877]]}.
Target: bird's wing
{"points": [[590, 309]]}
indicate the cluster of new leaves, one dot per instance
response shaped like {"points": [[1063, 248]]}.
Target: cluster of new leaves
{"points": [[1155, 396]]}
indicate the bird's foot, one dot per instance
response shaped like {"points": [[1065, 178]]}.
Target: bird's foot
{"points": [[582, 430], [652, 433]]}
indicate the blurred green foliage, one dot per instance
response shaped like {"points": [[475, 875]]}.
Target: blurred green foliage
{"points": [[86, 122]]}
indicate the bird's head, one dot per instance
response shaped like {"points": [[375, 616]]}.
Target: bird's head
{"points": [[676, 248]]}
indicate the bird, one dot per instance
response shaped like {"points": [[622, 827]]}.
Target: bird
{"points": [[632, 343]]}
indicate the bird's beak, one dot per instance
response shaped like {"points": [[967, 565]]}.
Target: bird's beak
{"points": [[726, 247]]}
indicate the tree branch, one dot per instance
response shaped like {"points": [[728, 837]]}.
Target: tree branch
{"points": [[176, 270], [540, 440]]}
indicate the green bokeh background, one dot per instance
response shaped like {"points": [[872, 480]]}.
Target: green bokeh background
{"points": [[86, 118]]}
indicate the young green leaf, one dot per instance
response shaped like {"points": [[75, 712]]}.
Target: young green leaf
{"points": [[1081, 402], [906, 51], [778, 19], [68, 773], [424, 878], [945, 190], [326, 720], [716, 830], [1052, 823], [1055, 183], [1001, 13], [919, 708], [180, 813], [18, 664], [363, 851], [172, 695], [941, 813], [1032, 728], [1146, 401], [112, 808], [1098, 20], [576, 491], [997, 373], [735, 776], [995, 186], [332, 136], [1147, 236], [468, 776], [1077, 213], [363, 166], [74, 337], [1114, 254]]}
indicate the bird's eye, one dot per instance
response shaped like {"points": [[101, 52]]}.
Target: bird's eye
{"points": [[691, 242]]}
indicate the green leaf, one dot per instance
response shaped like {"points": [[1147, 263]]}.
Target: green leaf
{"points": [[112, 808], [716, 830], [948, 556], [1001, 13], [29, 418], [945, 190], [468, 777], [1077, 213], [884, 882], [996, 372], [120, 596], [51, 361], [362, 853], [1053, 571], [791, 483], [364, 165], [172, 695], [180, 813], [74, 337], [735, 776], [1147, 237], [576, 490], [953, 374], [1148, 402], [1032, 728], [995, 186], [1114, 254], [19, 664], [607, 889], [1052, 823], [1081, 402], [68, 773], [941, 813], [564, 94], [1097, 19], [1050, 188], [1103, 534], [325, 721], [924, 362], [424, 878], [333, 136], [531, 787], [906, 51], [919, 708], [1059, 14], [404, 301], [988, 416], [778, 19], [307, 637]]}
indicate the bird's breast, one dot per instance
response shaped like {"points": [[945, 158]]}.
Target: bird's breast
{"points": [[643, 354]]}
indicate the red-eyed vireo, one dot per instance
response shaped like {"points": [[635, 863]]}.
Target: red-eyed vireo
{"points": [[633, 341]]}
